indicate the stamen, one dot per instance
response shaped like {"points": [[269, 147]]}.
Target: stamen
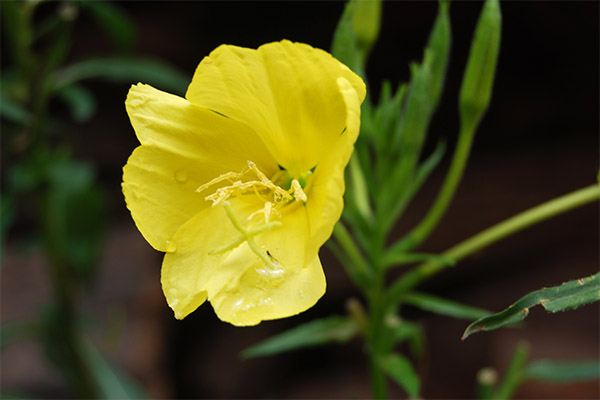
{"points": [[267, 210], [299, 194]]}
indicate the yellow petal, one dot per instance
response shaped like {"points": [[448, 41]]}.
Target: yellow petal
{"points": [[183, 147], [288, 92], [242, 289], [325, 204]]}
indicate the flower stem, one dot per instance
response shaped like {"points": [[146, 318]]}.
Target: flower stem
{"points": [[346, 241], [496, 233]]}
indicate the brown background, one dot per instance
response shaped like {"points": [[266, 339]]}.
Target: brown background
{"points": [[539, 140]]}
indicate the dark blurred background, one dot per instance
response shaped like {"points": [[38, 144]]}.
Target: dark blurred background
{"points": [[539, 140]]}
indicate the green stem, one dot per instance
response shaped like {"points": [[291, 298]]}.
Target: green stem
{"points": [[459, 161], [375, 338], [351, 248], [496, 233]]}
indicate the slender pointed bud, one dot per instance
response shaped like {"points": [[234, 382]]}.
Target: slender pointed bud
{"points": [[478, 80], [366, 22], [439, 46]]}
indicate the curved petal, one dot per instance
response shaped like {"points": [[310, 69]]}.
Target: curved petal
{"points": [[325, 204], [242, 289], [288, 92], [183, 147]]}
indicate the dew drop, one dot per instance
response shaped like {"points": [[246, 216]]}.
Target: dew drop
{"points": [[181, 176], [171, 247]]}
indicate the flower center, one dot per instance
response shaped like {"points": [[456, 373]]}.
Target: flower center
{"points": [[276, 193], [282, 193]]}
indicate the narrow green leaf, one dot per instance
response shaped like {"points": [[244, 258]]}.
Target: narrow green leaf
{"points": [[395, 257], [412, 333], [125, 70], [515, 373], [359, 192], [13, 111], [563, 371], [444, 307], [81, 102], [401, 370], [113, 21], [335, 329], [73, 215], [569, 295], [113, 384]]}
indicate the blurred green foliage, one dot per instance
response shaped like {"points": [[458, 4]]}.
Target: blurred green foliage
{"points": [[47, 184]]}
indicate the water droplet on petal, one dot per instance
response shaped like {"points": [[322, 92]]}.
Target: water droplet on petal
{"points": [[181, 176], [171, 247]]}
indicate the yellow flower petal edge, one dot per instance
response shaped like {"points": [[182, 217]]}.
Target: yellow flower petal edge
{"points": [[241, 182]]}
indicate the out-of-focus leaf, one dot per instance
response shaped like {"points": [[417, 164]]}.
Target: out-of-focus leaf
{"points": [[13, 111], [569, 295], [358, 189], [514, 375], [563, 371], [113, 383], [401, 370], [125, 70], [422, 173], [7, 216], [114, 21], [13, 331], [444, 306], [345, 46], [395, 257], [335, 329], [74, 215], [411, 333], [13, 396], [81, 102]]}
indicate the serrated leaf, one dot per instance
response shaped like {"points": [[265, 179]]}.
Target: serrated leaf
{"points": [[401, 370], [335, 329], [125, 70], [445, 307], [563, 371], [569, 295]]}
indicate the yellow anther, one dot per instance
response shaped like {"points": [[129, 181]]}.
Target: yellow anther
{"points": [[267, 210], [299, 194]]}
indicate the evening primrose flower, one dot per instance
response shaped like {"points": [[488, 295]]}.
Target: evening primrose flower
{"points": [[241, 181]]}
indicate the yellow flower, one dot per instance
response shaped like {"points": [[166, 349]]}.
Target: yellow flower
{"points": [[241, 181]]}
